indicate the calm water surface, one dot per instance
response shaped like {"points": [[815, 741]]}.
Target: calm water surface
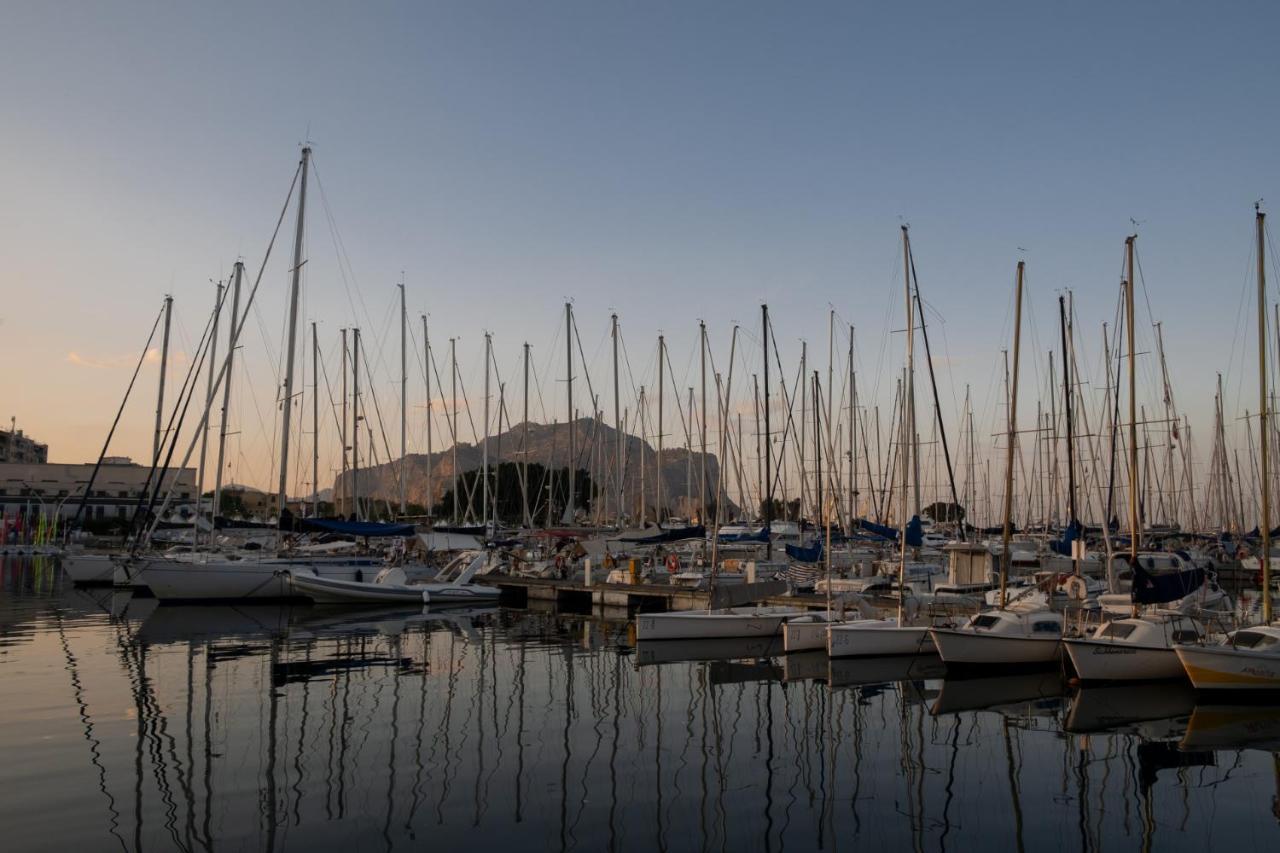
{"points": [[128, 726]]}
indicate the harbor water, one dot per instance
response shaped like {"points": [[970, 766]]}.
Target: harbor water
{"points": [[125, 725]]}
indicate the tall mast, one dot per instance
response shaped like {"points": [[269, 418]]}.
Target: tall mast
{"points": [[208, 396], [853, 439], [909, 450], [702, 499], [164, 369], [226, 387], [662, 349], [617, 414], [404, 392], [355, 422], [345, 509], [1071, 461], [1135, 526], [688, 456], [287, 402], [801, 433], [642, 411], [315, 423], [755, 396], [426, 360], [817, 449], [568, 368], [484, 451], [768, 451], [1265, 527], [1012, 438], [524, 446], [453, 408]]}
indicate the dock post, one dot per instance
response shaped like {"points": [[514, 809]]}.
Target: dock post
{"points": [[634, 570], [751, 571], [586, 571]]}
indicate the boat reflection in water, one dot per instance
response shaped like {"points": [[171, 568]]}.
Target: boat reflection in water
{"points": [[300, 728]]}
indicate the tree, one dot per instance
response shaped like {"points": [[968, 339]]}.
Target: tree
{"points": [[943, 511], [504, 487]]}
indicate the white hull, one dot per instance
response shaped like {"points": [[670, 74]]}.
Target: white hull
{"points": [[336, 591], [89, 568], [1227, 668], [701, 624], [968, 647], [445, 593], [170, 580], [1107, 660], [877, 638]]}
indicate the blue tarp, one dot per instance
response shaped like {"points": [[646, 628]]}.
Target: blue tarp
{"points": [[915, 531], [761, 535], [357, 528], [672, 535], [1165, 587], [1071, 534], [811, 554]]}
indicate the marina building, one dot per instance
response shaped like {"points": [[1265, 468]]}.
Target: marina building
{"points": [[58, 488]]}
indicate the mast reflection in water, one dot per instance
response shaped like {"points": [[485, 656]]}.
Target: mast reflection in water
{"points": [[130, 726]]}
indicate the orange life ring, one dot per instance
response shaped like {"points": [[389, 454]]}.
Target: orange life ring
{"points": [[673, 563]]}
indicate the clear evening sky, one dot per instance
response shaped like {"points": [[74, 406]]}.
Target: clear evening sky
{"points": [[670, 161]]}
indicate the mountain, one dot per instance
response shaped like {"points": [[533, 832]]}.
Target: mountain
{"points": [[548, 445]]}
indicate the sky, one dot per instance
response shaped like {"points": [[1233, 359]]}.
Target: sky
{"points": [[667, 161]]}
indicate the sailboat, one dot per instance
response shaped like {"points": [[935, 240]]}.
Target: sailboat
{"points": [[894, 635], [1248, 659], [1022, 632]]}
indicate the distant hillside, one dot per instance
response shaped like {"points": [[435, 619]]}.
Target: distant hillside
{"points": [[548, 444]]}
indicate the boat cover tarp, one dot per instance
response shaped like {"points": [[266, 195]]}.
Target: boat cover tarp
{"points": [[675, 534], [1166, 586], [915, 531], [357, 528], [810, 554], [1070, 535]]}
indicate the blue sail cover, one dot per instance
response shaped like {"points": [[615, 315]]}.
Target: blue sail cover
{"points": [[675, 534], [1071, 534], [761, 535], [1165, 587], [357, 528], [811, 554], [915, 531]]}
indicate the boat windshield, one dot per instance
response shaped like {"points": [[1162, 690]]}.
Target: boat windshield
{"points": [[1117, 630], [1253, 640], [984, 621], [1047, 628]]}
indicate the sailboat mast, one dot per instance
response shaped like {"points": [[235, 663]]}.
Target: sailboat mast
{"points": [[164, 369], [343, 509], [1071, 461], [617, 417], [768, 451], [208, 397], [426, 361], [355, 422], [226, 387], [568, 367], [404, 394], [1012, 439], [853, 439], [524, 446], [484, 450], [1135, 526], [702, 496], [315, 423], [910, 453], [662, 349], [453, 417], [1264, 528], [287, 402]]}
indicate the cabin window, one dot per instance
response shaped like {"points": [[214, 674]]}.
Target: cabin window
{"points": [[1046, 628], [984, 621], [1253, 640], [1186, 636], [1116, 630]]}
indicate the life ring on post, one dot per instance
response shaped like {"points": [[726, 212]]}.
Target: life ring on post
{"points": [[673, 564], [559, 562]]}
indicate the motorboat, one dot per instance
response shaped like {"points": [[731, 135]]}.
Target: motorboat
{"points": [[809, 632], [88, 569], [1137, 648], [1017, 634], [878, 638], [392, 585], [1247, 659], [758, 621]]}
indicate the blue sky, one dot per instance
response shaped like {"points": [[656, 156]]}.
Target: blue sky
{"points": [[668, 160]]}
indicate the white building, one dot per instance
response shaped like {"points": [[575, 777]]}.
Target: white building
{"points": [[59, 488]]}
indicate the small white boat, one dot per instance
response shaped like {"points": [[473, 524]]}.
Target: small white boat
{"points": [[1247, 659], [710, 624], [387, 588], [1139, 648], [809, 632], [877, 638], [1014, 635]]}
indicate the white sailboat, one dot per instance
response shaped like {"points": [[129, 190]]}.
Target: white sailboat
{"points": [[1137, 648], [1248, 659]]}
